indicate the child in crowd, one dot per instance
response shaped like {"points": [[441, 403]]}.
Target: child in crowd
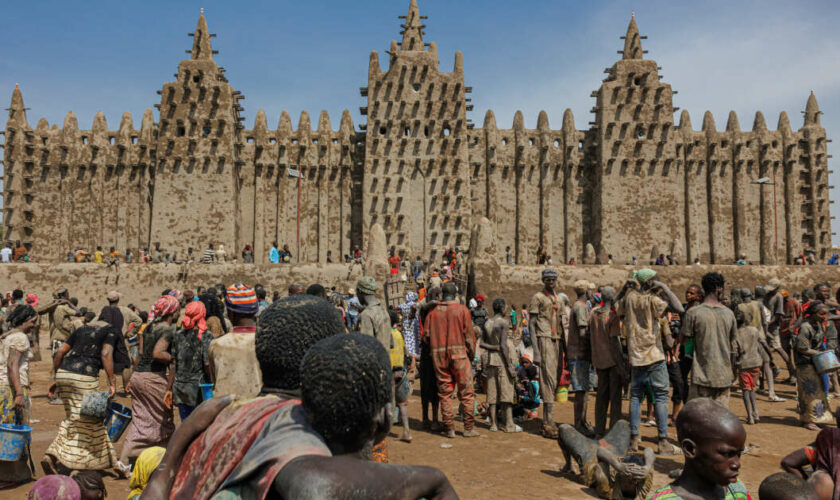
{"points": [[527, 388], [402, 383], [750, 340], [712, 439]]}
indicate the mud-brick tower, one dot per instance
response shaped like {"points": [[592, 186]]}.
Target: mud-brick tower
{"points": [[812, 177], [416, 174], [637, 200], [18, 167], [197, 174]]}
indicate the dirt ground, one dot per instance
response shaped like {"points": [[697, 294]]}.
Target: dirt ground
{"points": [[495, 465]]}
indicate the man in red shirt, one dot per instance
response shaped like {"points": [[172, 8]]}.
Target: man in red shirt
{"points": [[394, 259], [448, 329]]}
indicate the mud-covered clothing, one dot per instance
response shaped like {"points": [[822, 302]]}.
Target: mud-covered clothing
{"points": [[190, 355], [449, 330], [376, 322], [577, 345], [546, 326], [749, 347], [151, 334], [641, 313], [85, 354], [715, 337]]}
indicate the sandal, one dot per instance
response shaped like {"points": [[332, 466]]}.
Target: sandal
{"points": [[776, 399], [516, 428]]}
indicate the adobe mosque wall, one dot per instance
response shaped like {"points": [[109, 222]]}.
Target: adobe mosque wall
{"points": [[632, 180]]}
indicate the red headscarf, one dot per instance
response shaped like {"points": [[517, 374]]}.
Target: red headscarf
{"points": [[194, 317], [167, 304]]}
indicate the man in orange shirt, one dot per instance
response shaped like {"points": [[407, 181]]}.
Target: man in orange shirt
{"points": [[448, 329]]}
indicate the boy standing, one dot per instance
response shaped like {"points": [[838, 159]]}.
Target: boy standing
{"points": [[748, 360], [500, 368], [605, 333]]}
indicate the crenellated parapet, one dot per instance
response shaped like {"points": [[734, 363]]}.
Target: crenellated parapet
{"points": [[634, 179]]}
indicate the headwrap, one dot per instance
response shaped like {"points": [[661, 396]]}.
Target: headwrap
{"points": [[644, 275], [549, 272], [528, 357], [194, 317], [480, 297], [176, 293], [167, 304], [55, 487], [146, 463], [367, 285], [32, 299], [241, 299], [828, 455], [410, 297]]}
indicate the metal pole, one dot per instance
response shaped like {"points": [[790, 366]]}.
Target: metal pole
{"points": [[300, 173], [775, 219]]}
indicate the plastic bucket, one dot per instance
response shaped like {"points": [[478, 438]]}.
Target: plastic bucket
{"points": [[117, 421], [825, 362], [13, 440], [206, 391], [562, 394]]}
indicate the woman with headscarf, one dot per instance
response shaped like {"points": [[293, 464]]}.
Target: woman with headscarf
{"points": [[411, 324], [152, 422], [15, 353], [813, 338], [187, 351], [82, 442], [34, 336], [146, 464]]}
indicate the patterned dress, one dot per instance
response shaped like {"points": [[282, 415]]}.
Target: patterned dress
{"points": [[411, 323]]}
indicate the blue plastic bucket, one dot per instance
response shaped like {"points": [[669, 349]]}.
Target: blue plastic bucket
{"points": [[206, 391], [13, 440], [117, 421]]}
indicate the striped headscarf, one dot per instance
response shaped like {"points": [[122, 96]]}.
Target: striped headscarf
{"points": [[167, 304], [241, 299], [194, 317]]}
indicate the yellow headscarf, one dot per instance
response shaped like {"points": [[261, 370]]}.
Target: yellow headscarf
{"points": [[146, 463]]}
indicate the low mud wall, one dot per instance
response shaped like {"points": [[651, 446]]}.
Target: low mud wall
{"points": [[142, 283]]}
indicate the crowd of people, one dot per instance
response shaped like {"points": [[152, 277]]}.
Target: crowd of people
{"points": [[307, 385]]}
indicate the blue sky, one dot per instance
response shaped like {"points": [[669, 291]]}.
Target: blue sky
{"points": [[538, 55]]}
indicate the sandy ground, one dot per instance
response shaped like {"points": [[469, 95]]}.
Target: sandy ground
{"points": [[495, 465]]}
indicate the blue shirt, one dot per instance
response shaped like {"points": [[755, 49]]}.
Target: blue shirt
{"points": [[274, 255]]}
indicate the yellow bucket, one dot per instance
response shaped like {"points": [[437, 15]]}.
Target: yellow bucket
{"points": [[562, 394]]}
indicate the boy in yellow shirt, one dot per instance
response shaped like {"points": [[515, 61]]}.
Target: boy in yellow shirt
{"points": [[402, 385]]}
